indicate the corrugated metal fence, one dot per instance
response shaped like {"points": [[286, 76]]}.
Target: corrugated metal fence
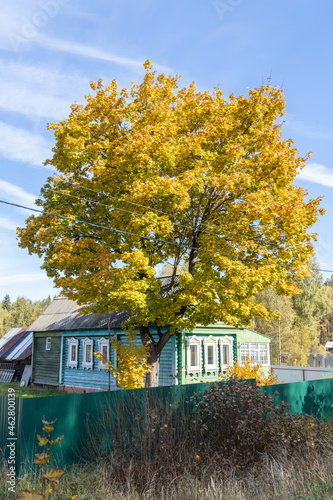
{"points": [[74, 411]]}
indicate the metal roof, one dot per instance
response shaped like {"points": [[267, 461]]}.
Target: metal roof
{"points": [[9, 334], [22, 349], [18, 346]]}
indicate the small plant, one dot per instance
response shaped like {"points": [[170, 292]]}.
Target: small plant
{"points": [[50, 476], [132, 365], [252, 371]]}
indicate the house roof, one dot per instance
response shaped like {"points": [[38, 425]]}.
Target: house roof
{"points": [[9, 334], [18, 345], [64, 314]]}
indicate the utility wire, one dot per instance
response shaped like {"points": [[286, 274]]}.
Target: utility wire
{"points": [[140, 236], [253, 238], [60, 191], [109, 195], [150, 238]]}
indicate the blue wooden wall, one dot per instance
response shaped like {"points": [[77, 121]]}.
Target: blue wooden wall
{"points": [[99, 379]]}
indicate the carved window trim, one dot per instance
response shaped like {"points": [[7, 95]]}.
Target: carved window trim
{"points": [[88, 364], [101, 344], [72, 363]]}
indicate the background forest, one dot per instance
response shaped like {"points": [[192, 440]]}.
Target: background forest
{"points": [[304, 327], [20, 313], [305, 323]]}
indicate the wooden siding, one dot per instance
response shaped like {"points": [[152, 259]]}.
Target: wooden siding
{"points": [[99, 379], [219, 330], [46, 363], [94, 378], [203, 376], [168, 361]]}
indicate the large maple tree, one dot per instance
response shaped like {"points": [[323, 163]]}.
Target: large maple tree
{"points": [[162, 174]]}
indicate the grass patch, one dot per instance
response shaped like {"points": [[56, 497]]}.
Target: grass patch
{"points": [[29, 392], [274, 479]]}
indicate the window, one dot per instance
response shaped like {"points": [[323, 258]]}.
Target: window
{"points": [[104, 348], [193, 354], [88, 360], [263, 354], [73, 347], [210, 353], [226, 345], [256, 352], [48, 344]]}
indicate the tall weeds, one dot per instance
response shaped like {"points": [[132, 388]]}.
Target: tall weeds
{"points": [[151, 444]]}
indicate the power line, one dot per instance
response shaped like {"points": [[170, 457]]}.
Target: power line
{"points": [[119, 209], [60, 191], [77, 221], [253, 238]]}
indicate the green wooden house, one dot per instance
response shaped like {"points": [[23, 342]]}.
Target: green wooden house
{"points": [[64, 342]]}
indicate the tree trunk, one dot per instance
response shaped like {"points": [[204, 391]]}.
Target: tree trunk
{"points": [[155, 349], [154, 361]]}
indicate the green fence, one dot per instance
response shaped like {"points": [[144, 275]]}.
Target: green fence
{"points": [[313, 397], [74, 414]]}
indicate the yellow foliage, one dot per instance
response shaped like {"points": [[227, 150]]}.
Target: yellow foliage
{"points": [[158, 173], [254, 371], [131, 366]]}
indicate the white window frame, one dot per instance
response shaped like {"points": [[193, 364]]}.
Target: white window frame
{"points": [[247, 349], [85, 363], [196, 342], [101, 343], [73, 363], [48, 343], [228, 341], [210, 342]]}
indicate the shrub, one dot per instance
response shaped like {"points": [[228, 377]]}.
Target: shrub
{"points": [[132, 365], [251, 371], [239, 423]]}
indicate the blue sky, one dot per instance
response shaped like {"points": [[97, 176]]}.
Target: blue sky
{"points": [[51, 49]]}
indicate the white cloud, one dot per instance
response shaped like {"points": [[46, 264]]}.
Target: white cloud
{"points": [[6, 223], [94, 53], [22, 21], [319, 174], [39, 92], [16, 194], [14, 16], [19, 144], [16, 279]]}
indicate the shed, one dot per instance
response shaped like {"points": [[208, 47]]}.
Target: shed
{"points": [[15, 354]]}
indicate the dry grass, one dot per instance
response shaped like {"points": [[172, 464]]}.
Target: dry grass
{"points": [[281, 479]]}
